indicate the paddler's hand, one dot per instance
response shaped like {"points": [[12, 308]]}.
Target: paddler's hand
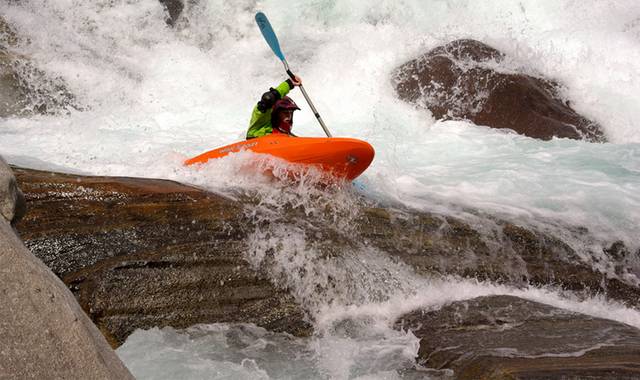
{"points": [[296, 81]]}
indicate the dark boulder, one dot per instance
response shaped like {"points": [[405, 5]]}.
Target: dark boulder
{"points": [[505, 337], [459, 81], [174, 9]]}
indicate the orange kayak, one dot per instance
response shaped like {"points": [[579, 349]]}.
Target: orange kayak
{"points": [[342, 157]]}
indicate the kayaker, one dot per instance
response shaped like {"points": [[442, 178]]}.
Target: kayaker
{"points": [[274, 111]]}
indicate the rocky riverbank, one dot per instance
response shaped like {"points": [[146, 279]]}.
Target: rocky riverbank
{"points": [[140, 253]]}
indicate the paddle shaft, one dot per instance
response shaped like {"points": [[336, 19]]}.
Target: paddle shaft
{"points": [[272, 40], [306, 96]]}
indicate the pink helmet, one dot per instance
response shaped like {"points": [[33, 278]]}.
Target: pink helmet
{"points": [[285, 103]]}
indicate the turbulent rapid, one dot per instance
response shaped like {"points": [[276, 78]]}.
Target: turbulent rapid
{"points": [[146, 96]]}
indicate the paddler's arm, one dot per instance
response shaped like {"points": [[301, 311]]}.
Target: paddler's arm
{"points": [[260, 123]]}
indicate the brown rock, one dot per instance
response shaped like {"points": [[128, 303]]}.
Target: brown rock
{"points": [[140, 253], [504, 337], [459, 81]]}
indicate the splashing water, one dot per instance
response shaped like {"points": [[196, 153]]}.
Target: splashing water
{"points": [[153, 95], [150, 96]]}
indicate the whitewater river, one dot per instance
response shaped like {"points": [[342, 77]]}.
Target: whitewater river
{"points": [[149, 96]]}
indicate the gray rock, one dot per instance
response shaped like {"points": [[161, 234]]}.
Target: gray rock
{"points": [[11, 97], [505, 337], [44, 332], [12, 203], [7, 36], [24, 88]]}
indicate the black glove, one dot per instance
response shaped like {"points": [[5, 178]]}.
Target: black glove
{"points": [[269, 98]]}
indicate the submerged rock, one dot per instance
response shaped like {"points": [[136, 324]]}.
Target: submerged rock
{"points": [[505, 337], [44, 332], [24, 89], [461, 80], [8, 36]]}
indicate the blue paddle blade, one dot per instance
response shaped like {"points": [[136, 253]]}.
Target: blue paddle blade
{"points": [[268, 34]]}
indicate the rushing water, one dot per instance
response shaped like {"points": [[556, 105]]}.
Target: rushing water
{"points": [[151, 96]]}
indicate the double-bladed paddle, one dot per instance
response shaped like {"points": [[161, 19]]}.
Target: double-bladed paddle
{"points": [[270, 36]]}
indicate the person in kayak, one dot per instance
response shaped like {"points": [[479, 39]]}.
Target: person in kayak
{"points": [[274, 111]]}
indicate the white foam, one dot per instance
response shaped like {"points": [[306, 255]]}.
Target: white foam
{"points": [[153, 93]]}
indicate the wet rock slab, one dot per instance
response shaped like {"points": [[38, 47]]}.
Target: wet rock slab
{"points": [[139, 253], [498, 251], [505, 337], [463, 80]]}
